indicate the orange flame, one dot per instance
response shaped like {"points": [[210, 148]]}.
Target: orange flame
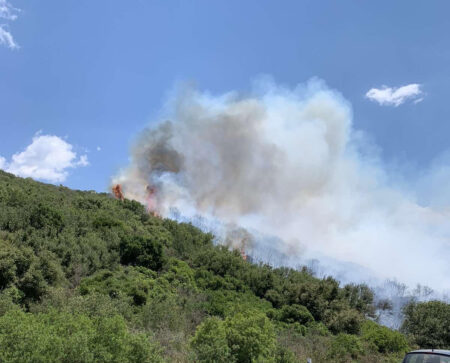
{"points": [[243, 254], [151, 202], [117, 191]]}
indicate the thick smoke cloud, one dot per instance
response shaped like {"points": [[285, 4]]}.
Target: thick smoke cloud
{"points": [[288, 166]]}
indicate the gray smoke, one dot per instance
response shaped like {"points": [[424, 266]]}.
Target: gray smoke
{"points": [[287, 165]]}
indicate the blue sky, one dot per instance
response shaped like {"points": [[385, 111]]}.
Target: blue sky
{"points": [[94, 73]]}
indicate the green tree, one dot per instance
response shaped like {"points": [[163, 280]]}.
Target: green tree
{"points": [[296, 313], [210, 342], [242, 338], [383, 339], [251, 337], [344, 321], [142, 251], [428, 323]]}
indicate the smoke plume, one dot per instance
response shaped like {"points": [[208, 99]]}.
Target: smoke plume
{"points": [[287, 169]]}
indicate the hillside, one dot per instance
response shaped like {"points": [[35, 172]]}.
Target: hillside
{"points": [[87, 278]]}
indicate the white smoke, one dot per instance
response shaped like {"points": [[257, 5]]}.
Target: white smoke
{"points": [[288, 163]]}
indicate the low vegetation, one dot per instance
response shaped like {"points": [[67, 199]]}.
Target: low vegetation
{"points": [[87, 278], [428, 323]]}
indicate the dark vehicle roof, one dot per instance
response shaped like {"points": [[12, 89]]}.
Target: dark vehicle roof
{"points": [[433, 351]]}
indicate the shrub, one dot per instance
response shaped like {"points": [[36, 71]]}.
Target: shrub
{"points": [[284, 355], [344, 346], [383, 339], [360, 297], [243, 338], [428, 323], [345, 321], [62, 337], [251, 336], [210, 342], [142, 251], [128, 282], [179, 274], [318, 328], [296, 313], [44, 216], [187, 238]]}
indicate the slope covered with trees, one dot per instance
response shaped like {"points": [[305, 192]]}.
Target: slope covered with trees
{"points": [[87, 278]]}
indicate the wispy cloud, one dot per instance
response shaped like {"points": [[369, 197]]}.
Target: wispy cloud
{"points": [[83, 161], [392, 96], [8, 13], [2, 162], [48, 158], [7, 39]]}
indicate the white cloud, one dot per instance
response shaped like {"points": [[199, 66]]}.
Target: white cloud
{"points": [[99, 148], [2, 162], [47, 158], [391, 96], [83, 161], [7, 39], [9, 13]]}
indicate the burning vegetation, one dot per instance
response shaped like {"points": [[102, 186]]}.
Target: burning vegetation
{"points": [[117, 192], [237, 238], [151, 205], [151, 200]]}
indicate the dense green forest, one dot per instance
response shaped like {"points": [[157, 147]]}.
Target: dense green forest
{"points": [[87, 278]]}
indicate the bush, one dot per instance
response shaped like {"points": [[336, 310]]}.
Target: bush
{"points": [[44, 216], [187, 238], [31, 274], [210, 342], [284, 355], [179, 274], [142, 251], [345, 321], [296, 313], [382, 339], [345, 346], [62, 337], [250, 336], [130, 283], [318, 328], [360, 297], [243, 338], [428, 323]]}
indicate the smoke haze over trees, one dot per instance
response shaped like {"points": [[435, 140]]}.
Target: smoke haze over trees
{"points": [[287, 166]]}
